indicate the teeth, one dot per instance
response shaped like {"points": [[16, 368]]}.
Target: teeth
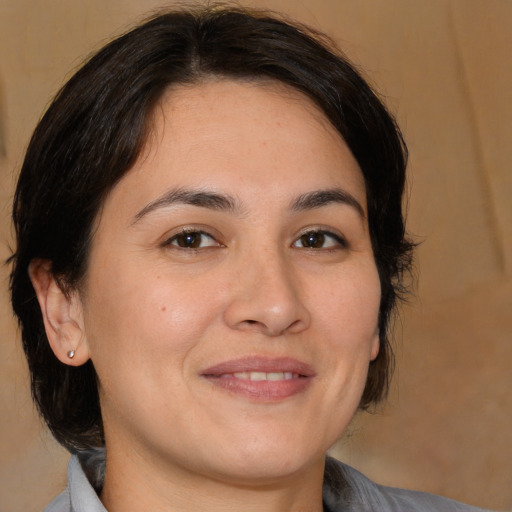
{"points": [[242, 375], [264, 376]]}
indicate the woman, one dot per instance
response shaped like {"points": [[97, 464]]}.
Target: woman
{"points": [[210, 244]]}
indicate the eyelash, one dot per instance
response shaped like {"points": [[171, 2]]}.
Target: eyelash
{"points": [[197, 236], [321, 235], [192, 234]]}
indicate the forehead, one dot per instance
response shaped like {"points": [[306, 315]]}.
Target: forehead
{"points": [[227, 98], [243, 122], [239, 138]]}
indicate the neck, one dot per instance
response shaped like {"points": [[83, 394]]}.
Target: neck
{"points": [[135, 483]]}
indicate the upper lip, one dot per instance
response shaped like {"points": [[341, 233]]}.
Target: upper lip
{"points": [[260, 364]]}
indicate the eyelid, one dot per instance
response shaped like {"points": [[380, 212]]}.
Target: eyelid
{"points": [[337, 236], [169, 237]]}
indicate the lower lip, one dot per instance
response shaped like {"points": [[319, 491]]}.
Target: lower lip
{"points": [[263, 390]]}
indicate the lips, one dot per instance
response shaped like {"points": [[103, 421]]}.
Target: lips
{"points": [[261, 378]]}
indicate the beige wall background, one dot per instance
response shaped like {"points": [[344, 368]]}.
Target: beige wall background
{"points": [[444, 67]]}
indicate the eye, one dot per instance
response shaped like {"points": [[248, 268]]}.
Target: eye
{"points": [[192, 240], [316, 239]]}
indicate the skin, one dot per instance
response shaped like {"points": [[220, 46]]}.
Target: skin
{"points": [[153, 315]]}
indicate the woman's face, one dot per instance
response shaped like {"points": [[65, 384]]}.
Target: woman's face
{"points": [[231, 303]]}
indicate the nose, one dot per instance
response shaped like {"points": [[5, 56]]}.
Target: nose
{"points": [[266, 298]]}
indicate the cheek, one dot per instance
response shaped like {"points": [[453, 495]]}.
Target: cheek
{"points": [[350, 307], [347, 317], [144, 319]]}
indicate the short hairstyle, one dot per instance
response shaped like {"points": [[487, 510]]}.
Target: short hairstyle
{"points": [[95, 128]]}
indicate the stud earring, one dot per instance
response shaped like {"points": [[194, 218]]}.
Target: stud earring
{"points": [[71, 354]]}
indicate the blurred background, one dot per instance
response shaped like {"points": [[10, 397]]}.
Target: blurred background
{"points": [[444, 69]]}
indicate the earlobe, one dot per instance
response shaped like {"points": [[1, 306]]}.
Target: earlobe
{"points": [[375, 346], [62, 315]]}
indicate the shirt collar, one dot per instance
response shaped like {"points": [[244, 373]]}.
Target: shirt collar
{"points": [[82, 495]]}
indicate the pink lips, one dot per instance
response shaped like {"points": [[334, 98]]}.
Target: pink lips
{"points": [[261, 378]]}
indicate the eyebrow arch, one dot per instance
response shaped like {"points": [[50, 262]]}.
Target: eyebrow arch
{"points": [[201, 198], [319, 198]]}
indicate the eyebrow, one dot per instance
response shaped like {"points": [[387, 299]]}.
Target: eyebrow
{"points": [[202, 198], [320, 198], [227, 203]]}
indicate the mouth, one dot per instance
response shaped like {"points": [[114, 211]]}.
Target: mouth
{"points": [[261, 378]]}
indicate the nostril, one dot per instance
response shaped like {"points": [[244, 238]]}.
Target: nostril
{"points": [[295, 325], [271, 315]]}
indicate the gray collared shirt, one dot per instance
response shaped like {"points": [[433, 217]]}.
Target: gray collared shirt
{"points": [[345, 490]]}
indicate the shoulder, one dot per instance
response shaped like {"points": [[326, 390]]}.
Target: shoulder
{"points": [[345, 489]]}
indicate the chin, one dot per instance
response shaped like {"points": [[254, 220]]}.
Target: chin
{"points": [[269, 462]]}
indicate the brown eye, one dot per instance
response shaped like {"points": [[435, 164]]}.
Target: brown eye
{"points": [[320, 240], [312, 240], [192, 240]]}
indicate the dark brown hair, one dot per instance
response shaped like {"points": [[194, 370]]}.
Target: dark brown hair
{"points": [[94, 130]]}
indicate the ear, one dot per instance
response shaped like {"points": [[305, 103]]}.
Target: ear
{"points": [[62, 315], [375, 345]]}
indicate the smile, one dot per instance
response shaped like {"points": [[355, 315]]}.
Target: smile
{"points": [[260, 378]]}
